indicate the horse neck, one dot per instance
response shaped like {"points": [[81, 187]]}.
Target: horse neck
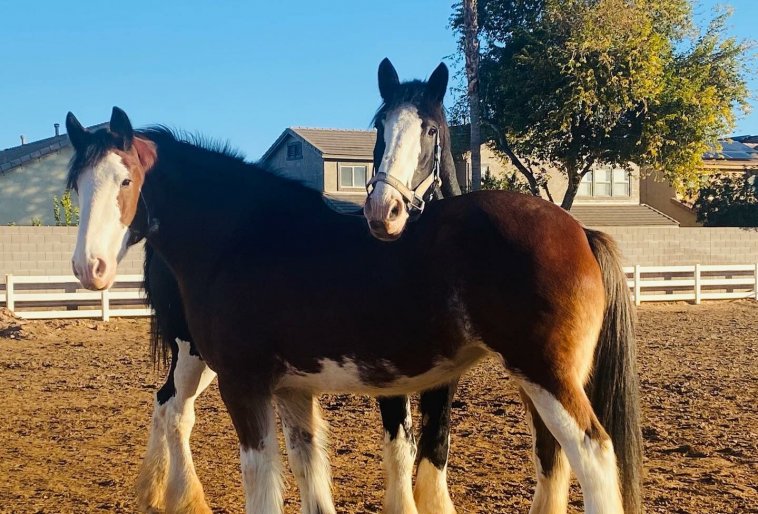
{"points": [[196, 218]]}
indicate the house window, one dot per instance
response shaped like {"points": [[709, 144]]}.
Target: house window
{"points": [[294, 151], [353, 177], [605, 181]]}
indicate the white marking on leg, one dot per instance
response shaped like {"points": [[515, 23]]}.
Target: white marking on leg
{"points": [[593, 461], [399, 456], [262, 472], [191, 377], [306, 435], [431, 493], [551, 493], [153, 473]]}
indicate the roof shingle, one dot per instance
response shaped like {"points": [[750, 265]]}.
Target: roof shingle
{"points": [[17, 155], [341, 143]]}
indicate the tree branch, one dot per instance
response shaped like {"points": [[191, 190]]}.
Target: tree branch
{"points": [[503, 146]]}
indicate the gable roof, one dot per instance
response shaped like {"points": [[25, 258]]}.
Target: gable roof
{"points": [[16, 156], [331, 143]]}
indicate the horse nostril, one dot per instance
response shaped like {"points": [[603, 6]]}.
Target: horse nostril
{"points": [[395, 211], [100, 268]]}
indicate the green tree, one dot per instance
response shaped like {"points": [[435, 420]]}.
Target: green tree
{"points": [[728, 201], [65, 212], [579, 82]]}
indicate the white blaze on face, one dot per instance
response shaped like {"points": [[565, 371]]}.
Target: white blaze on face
{"points": [[101, 240], [402, 137]]}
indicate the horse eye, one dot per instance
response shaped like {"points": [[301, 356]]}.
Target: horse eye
{"points": [[433, 131], [126, 183]]}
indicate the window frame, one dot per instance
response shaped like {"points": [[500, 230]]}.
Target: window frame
{"points": [[353, 187], [298, 153], [592, 181]]}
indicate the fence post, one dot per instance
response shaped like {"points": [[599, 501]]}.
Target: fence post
{"points": [[756, 281], [697, 284], [106, 304], [637, 285], [9, 300]]}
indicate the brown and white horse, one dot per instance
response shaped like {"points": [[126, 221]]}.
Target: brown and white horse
{"points": [[490, 273], [411, 131]]}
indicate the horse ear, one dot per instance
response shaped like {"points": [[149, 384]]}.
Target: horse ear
{"points": [[388, 79], [436, 86], [77, 134], [121, 126]]}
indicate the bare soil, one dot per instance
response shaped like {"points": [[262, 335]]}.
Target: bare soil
{"points": [[76, 399]]}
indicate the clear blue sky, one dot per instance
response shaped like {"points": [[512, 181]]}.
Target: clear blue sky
{"points": [[241, 71]]}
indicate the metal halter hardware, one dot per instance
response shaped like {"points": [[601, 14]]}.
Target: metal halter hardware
{"points": [[416, 198]]}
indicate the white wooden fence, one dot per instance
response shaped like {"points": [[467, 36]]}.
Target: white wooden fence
{"points": [[692, 283], [62, 296], [30, 297]]}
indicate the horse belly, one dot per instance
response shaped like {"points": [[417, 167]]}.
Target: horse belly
{"points": [[380, 378]]}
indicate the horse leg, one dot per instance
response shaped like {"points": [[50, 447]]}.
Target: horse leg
{"points": [[553, 472], [153, 473], [252, 414], [399, 455], [184, 493], [306, 435], [567, 413], [431, 493]]}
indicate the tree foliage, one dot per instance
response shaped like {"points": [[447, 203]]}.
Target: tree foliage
{"points": [[579, 82], [728, 201]]}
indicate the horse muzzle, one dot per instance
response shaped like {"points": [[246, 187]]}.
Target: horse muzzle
{"points": [[95, 274]]}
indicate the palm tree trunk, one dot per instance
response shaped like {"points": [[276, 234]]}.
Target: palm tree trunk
{"points": [[471, 49]]}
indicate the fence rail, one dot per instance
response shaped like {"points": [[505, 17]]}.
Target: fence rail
{"points": [[31, 297], [692, 283]]}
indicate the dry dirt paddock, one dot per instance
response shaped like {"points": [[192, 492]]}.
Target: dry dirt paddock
{"points": [[77, 397]]}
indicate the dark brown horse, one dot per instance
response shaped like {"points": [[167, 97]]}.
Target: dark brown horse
{"points": [[169, 454], [269, 275]]}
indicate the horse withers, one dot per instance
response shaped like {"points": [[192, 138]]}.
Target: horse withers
{"points": [[490, 273]]}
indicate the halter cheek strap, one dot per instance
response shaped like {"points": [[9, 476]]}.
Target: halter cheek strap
{"points": [[417, 197], [152, 224]]}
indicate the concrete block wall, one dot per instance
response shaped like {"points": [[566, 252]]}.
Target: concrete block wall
{"points": [[662, 246], [48, 251]]}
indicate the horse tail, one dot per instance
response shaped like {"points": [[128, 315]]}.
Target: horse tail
{"points": [[613, 388], [160, 346]]}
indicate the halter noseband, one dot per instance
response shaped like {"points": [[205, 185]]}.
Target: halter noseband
{"points": [[416, 198]]}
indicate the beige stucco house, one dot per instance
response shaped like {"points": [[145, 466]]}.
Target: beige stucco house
{"points": [[31, 174], [607, 196], [336, 162], [736, 156]]}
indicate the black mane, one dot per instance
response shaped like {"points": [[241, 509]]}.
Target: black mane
{"points": [[162, 133]]}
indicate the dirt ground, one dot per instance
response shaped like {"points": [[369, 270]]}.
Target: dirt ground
{"points": [[77, 398]]}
